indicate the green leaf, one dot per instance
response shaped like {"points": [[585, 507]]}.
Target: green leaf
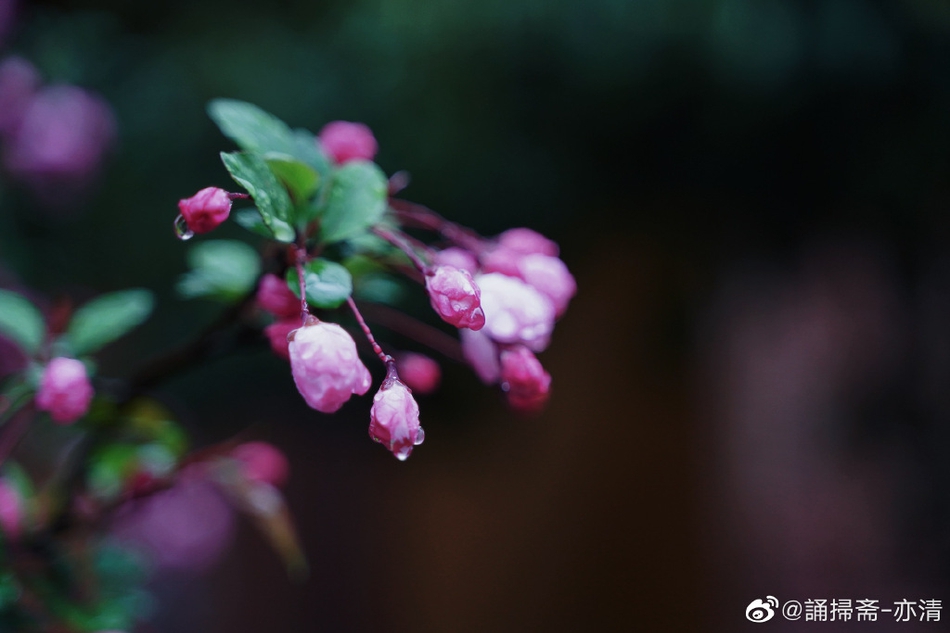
{"points": [[258, 131], [221, 269], [299, 178], [356, 202], [328, 283], [251, 172], [21, 322], [106, 318], [250, 127], [251, 220]]}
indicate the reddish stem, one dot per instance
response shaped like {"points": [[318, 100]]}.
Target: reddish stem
{"points": [[386, 358], [425, 218], [301, 260], [402, 242]]}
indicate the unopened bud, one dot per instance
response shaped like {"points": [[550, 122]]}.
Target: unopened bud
{"points": [[344, 141], [525, 380], [206, 210], [455, 297], [394, 419], [326, 368]]}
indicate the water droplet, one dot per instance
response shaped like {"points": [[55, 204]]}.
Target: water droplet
{"points": [[402, 453], [420, 436], [182, 231]]}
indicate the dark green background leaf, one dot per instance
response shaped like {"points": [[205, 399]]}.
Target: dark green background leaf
{"points": [[221, 269], [108, 317], [21, 322]]}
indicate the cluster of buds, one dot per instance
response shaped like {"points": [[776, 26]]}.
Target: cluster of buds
{"points": [[503, 295]]}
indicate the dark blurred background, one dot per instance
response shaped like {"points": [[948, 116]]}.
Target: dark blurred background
{"points": [[750, 388]]}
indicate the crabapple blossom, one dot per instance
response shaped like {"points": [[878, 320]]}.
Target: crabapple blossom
{"points": [[345, 141], [11, 510], [482, 354], [65, 391], [515, 312], [326, 367], [455, 297], [524, 379], [262, 462], [206, 210], [527, 242], [274, 296], [419, 372], [457, 257], [394, 418], [277, 333], [550, 277]]}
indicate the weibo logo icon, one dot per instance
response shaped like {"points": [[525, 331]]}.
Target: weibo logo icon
{"points": [[761, 610]]}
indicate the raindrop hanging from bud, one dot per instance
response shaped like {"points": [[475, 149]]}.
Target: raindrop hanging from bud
{"points": [[182, 231]]}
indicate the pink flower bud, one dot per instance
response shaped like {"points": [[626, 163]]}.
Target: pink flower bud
{"points": [[515, 312], [345, 141], [455, 297], [11, 510], [527, 242], [482, 354], [274, 296], [457, 258], [419, 372], [502, 260], [206, 210], [550, 277], [326, 367], [262, 462], [525, 380], [277, 334], [64, 390], [394, 419]]}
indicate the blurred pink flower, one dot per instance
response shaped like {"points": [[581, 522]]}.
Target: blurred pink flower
{"points": [[19, 81], [525, 380], [277, 333], [528, 242], [188, 526], [344, 141], [65, 391], [515, 312], [61, 142], [419, 372], [262, 462], [11, 510], [274, 296], [482, 354], [458, 258]]}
